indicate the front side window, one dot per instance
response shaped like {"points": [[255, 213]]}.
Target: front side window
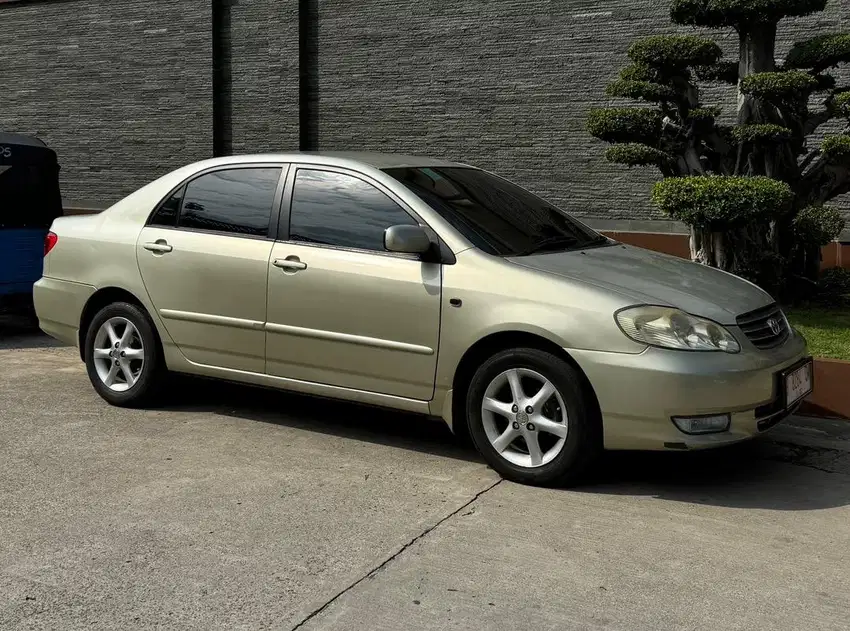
{"points": [[496, 216], [341, 210], [237, 201]]}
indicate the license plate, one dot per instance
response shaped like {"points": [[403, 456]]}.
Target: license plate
{"points": [[798, 384]]}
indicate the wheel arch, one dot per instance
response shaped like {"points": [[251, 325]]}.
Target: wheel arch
{"points": [[100, 299], [494, 343]]}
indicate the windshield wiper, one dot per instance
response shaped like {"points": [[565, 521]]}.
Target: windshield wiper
{"points": [[549, 243], [562, 242]]}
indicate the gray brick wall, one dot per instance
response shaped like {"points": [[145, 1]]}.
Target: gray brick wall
{"points": [[121, 89], [261, 54], [505, 85]]}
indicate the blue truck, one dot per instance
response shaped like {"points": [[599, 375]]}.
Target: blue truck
{"points": [[30, 200]]}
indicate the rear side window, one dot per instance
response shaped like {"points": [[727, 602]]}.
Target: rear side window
{"points": [[342, 210], [237, 201], [166, 215]]}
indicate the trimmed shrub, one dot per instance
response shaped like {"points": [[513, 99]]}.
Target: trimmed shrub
{"points": [[836, 149], [646, 90], [635, 154], [675, 51], [718, 202], [625, 124], [842, 104], [761, 133], [793, 85], [820, 53], [720, 13], [818, 225]]}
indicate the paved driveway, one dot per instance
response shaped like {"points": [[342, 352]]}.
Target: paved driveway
{"points": [[236, 508]]}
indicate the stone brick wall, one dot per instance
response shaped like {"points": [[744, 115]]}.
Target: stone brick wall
{"points": [[260, 90], [121, 89], [505, 85]]}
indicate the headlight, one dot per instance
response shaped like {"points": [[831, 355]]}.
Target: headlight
{"points": [[670, 328]]}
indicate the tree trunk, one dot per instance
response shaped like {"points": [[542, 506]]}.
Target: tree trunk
{"points": [[757, 50], [701, 250]]}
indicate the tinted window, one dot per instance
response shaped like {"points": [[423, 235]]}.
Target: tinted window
{"points": [[337, 209], [29, 196], [495, 215], [236, 200], [166, 214]]}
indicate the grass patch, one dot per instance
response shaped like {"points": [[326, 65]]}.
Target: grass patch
{"points": [[827, 331]]}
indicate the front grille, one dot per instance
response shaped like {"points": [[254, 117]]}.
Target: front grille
{"points": [[765, 327]]}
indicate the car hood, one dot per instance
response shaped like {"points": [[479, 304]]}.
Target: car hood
{"points": [[651, 278]]}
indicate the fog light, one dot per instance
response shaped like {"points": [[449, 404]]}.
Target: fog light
{"points": [[703, 424]]}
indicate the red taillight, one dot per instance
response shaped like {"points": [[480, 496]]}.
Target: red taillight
{"points": [[49, 241]]}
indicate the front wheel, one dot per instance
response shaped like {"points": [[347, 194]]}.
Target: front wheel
{"points": [[531, 417], [122, 355]]}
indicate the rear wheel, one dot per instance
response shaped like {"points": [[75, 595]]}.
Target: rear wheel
{"points": [[531, 417], [122, 355]]}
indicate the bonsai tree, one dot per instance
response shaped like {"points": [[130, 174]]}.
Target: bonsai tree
{"points": [[752, 186]]}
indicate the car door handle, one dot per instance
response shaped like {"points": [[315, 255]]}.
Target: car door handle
{"points": [[290, 264], [158, 247]]}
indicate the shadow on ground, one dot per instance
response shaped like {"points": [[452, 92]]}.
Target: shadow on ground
{"points": [[359, 422], [755, 474], [20, 332]]}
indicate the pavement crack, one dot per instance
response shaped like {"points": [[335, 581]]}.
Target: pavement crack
{"points": [[378, 568]]}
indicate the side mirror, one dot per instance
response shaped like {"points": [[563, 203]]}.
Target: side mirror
{"points": [[407, 240]]}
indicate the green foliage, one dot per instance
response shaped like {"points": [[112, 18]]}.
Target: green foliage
{"points": [[705, 113], [675, 51], [818, 225], [718, 202], [761, 133], [721, 13], [794, 85], [625, 124], [640, 72], [636, 154], [824, 324], [702, 119], [721, 72], [842, 104], [834, 289], [836, 149], [646, 90], [821, 52]]}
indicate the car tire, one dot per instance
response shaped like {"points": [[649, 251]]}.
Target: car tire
{"points": [[137, 351], [567, 435]]}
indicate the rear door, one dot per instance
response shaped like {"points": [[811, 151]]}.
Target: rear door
{"points": [[204, 260], [342, 310]]}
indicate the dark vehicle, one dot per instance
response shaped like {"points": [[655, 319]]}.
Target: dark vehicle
{"points": [[29, 202]]}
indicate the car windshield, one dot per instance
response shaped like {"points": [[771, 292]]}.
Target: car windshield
{"points": [[496, 216]]}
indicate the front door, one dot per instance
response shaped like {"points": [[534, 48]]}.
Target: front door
{"points": [[342, 310], [204, 260]]}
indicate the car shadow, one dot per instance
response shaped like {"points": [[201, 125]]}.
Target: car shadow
{"points": [[326, 416], [760, 474], [22, 332]]}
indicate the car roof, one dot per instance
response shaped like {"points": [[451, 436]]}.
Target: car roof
{"points": [[339, 158], [21, 140]]}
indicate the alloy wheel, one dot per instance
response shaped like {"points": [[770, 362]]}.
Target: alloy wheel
{"points": [[119, 354], [524, 417]]}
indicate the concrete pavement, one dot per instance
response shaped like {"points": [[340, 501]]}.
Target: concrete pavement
{"points": [[236, 508]]}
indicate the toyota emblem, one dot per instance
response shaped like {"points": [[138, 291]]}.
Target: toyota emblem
{"points": [[775, 326]]}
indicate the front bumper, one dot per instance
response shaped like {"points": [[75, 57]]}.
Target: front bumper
{"points": [[638, 394]]}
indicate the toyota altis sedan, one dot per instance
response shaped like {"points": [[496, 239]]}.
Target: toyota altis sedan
{"points": [[424, 286]]}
